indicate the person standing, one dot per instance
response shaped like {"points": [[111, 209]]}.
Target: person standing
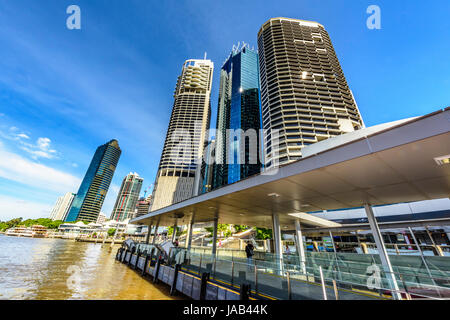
{"points": [[249, 251], [287, 250]]}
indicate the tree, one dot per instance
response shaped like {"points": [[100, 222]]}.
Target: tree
{"points": [[263, 234], [240, 228], [170, 231], [48, 223], [10, 224], [111, 232]]}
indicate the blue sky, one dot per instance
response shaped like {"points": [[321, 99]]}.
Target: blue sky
{"points": [[64, 92]]}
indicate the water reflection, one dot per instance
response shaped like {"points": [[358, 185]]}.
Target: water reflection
{"points": [[38, 269]]}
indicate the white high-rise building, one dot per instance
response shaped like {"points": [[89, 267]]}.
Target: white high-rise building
{"points": [[127, 198], [179, 169], [101, 218], [305, 97], [62, 206]]}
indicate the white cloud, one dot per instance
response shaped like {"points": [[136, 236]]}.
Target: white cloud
{"points": [[11, 207], [23, 135], [40, 150], [43, 143], [19, 169]]}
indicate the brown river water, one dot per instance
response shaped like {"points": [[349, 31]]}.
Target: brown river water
{"points": [[59, 269]]}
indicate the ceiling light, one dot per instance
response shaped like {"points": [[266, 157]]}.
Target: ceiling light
{"points": [[442, 160], [273, 194]]}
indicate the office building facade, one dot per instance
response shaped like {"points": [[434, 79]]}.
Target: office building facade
{"points": [[93, 189], [62, 207], [178, 176], [304, 94], [143, 206], [127, 198], [238, 118]]}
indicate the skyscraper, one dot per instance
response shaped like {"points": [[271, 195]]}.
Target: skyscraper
{"points": [[92, 192], [62, 207], [127, 198], [304, 93], [143, 206], [239, 109], [178, 176]]}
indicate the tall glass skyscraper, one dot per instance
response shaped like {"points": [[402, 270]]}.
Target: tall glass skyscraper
{"points": [[92, 192], [127, 198], [237, 152]]}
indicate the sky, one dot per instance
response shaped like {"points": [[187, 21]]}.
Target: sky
{"points": [[65, 92]]}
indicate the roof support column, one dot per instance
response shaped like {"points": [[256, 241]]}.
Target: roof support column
{"points": [[156, 230], [189, 234], [214, 244], [385, 262], [300, 245], [174, 233], [147, 236], [276, 234]]}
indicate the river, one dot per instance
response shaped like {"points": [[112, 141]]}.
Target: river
{"points": [[59, 269]]}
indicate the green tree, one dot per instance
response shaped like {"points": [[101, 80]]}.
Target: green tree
{"points": [[240, 228], [10, 224], [170, 231], [263, 234], [48, 223], [111, 232]]}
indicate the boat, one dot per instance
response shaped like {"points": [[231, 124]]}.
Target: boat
{"points": [[35, 231]]}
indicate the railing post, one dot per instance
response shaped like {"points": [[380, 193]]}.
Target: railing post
{"points": [[215, 262], [336, 292], [232, 273], [323, 284], [256, 279], [288, 278], [200, 264]]}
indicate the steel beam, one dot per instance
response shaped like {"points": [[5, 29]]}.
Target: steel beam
{"points": [[385, 262], [300, 245]]}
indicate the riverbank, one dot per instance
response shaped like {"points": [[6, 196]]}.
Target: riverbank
{"points": [[64, 237]]}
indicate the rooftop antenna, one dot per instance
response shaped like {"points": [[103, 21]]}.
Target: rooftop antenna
{"points": [[205, 56]]}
